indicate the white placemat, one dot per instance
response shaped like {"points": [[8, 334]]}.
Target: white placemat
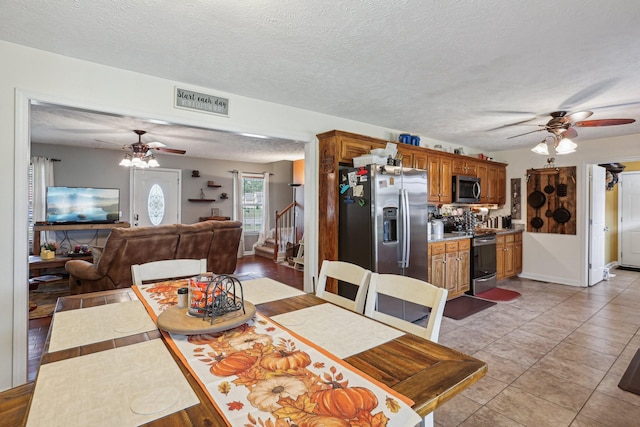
{"points": [[125, 386], [258, 291], [74, 328], [326, 326]]}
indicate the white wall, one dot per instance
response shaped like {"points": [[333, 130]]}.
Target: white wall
{"points": [[556, 257], [32, 74]]}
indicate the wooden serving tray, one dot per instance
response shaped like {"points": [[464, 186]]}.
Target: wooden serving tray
{"points": [[177, 321]]}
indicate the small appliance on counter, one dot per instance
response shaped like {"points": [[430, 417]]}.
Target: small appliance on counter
{"points": [[437, 226]]}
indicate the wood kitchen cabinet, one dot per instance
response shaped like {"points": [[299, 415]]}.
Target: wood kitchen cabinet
{"points": [[350, 148], [336, 148], [508, 255], [492, 183], [449, 266], [517, 253], [464, 166], [439, 174]]}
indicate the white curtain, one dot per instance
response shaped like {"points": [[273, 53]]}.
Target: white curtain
{"points": [[266, 209], [42, 178], [237, 207]]}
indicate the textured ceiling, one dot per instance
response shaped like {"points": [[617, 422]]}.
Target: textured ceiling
{"points": [[455, 71], [52, 124]]}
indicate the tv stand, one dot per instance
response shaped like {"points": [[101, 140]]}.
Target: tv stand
{"points": [[38, 227]]}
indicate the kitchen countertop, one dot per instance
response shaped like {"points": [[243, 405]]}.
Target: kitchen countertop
{"points": [[517, 228]]}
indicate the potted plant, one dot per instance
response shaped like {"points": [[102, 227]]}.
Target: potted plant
{"points": [[48, 250]]}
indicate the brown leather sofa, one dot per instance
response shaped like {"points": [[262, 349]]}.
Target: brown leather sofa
{"points": [[217, 241]]}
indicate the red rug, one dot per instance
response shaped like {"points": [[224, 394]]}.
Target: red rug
{"points": [[499, 294]]}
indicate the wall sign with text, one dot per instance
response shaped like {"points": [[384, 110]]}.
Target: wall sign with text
{"points": [[201, 102]]}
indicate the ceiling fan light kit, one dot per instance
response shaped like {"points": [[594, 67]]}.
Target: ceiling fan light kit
{"points": [[541, 148], [565, 146], [141, 155]]}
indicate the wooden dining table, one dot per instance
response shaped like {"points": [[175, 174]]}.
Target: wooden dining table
{"points": [[428, 373]]}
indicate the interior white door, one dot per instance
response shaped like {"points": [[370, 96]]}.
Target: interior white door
{"points": [[155, 196], [597, 184], [629, 218]]}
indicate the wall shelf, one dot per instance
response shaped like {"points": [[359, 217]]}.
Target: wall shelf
{"points": [[202, 200], [214, 186]]}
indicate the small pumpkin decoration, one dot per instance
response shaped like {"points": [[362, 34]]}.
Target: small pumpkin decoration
{"points": [[266, 393], [344, 402], [248, 341], [232, 364], [282, 360], [324, 421]]}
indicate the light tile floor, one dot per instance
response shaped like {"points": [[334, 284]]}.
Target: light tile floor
{"points": [[555, 356]]}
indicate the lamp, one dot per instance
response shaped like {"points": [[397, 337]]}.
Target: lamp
{"points": [[561, 144], [541, 148], [139, 160], [565, 146]]}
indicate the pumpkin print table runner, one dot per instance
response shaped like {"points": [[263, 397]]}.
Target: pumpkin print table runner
{"points": [[261, 374]]}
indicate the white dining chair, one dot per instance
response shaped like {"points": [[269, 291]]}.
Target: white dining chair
{"points": [[345, 272], [167, 269], [411, 290]]}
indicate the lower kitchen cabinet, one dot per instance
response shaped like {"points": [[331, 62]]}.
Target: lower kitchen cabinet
{"points": [[508, 255], [517, 253], [449, 266]]}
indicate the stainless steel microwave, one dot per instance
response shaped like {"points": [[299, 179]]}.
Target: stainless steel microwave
{"points": [[466, 189]]}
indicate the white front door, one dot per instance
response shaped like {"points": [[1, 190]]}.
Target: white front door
{"points": [[155, 196], [597, 184], [629, 219]]}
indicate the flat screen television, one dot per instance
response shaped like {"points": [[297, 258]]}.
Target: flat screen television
{"points": [[68, 205]]}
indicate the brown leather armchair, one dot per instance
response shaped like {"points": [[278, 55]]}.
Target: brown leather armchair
{"points": [[217, 241]]}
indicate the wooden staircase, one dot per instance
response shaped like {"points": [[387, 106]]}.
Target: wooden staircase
{"points": [[284, 235]]}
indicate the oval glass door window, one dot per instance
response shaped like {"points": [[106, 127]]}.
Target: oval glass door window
{"points": [[156, 205]]}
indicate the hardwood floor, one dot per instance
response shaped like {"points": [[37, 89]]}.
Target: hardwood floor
{"points": [[250, 266]]}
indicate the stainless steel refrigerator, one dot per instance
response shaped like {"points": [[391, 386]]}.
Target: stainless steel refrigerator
{"points": [[383, 219]]}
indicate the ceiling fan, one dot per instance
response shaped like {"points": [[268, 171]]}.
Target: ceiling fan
{"points": [[141, 149], [140, 154], [563, 123]]}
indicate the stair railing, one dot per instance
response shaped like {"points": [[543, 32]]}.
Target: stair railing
{"points": [[285, 232]]}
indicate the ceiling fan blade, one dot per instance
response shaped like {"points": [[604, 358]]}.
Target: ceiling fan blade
{"points": [[570, 133], [577, 116], [170, 150], [124, 146], [155, 144], [526, 133], [604, 122], [512, 124]]}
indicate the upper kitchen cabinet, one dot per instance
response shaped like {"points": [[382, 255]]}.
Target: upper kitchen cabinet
{"points": [[351, 147], [492, 182], [464, 166], [414, 157], [439, 175]]}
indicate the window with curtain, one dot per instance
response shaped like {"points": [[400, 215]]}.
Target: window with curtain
{"points": [[252, 203]]}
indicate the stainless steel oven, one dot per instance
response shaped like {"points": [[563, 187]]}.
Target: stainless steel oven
{"points": [[483, 263]]}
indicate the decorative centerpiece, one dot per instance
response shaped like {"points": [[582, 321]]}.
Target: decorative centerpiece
{"points": [[215, 302], [48, 250], [212, 296]]}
